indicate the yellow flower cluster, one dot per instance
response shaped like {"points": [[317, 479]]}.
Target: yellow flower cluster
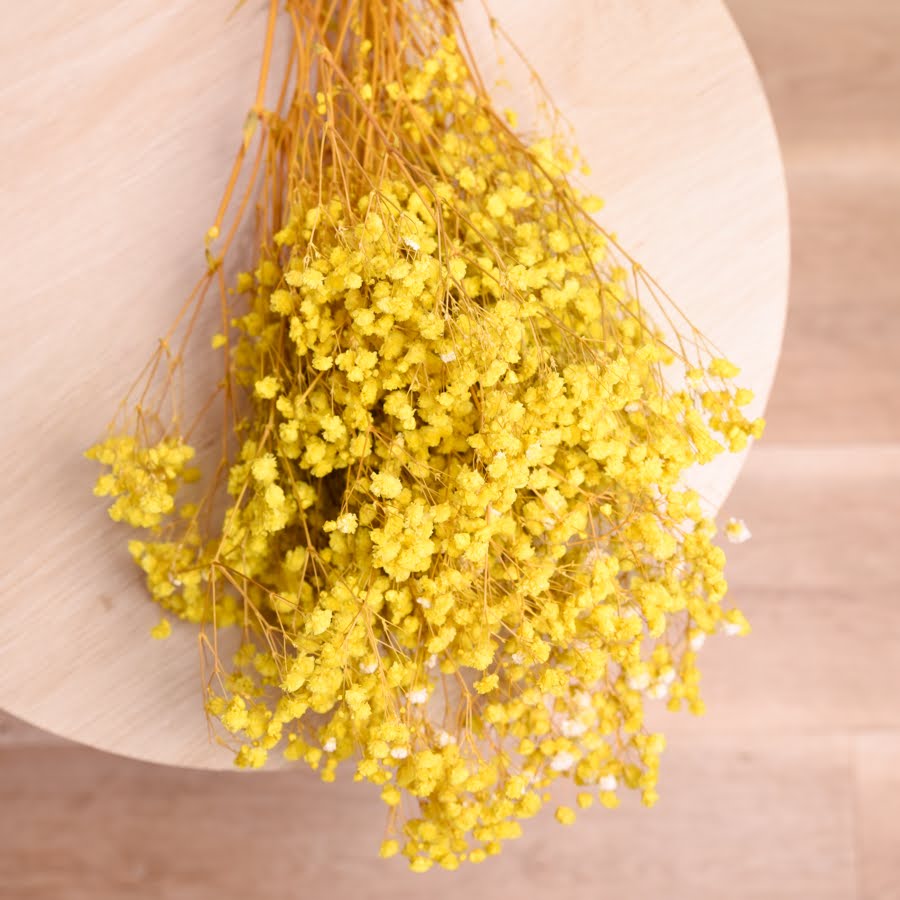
{"points": [[458, 531], [142, 479]]}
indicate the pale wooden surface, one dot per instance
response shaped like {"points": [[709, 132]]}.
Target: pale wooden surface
{"points": [[114, 160], [789, 787]]}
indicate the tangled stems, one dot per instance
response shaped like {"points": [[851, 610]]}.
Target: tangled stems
{"points": [[456, 532]]}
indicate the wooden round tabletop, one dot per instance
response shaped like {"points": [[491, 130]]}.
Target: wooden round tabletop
{"points": [[120, 125]]}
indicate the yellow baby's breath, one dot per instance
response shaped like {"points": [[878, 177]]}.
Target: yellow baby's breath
{"points": [[450, 512]]}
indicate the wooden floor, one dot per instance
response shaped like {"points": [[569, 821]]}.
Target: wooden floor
{"points": [[790, 787]]}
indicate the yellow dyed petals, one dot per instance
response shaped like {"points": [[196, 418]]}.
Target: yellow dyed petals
{"points": [[161, 630], [449, 516]]}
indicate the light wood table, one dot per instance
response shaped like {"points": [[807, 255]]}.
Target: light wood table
{"points": [[120, 122]]}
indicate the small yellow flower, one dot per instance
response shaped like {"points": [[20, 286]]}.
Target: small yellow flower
{"points": [[565, 815], [267, 388], [389, 848], [386, 486], [265, 468], [161, 630], [487, 684]]}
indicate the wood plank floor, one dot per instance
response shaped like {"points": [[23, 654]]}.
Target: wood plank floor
{"points": [[790, 787]]}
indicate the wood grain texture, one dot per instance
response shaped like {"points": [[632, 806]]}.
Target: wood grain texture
{"points": [[832, 74], [789, 787], [16, 733], [819, 582], [823, 518], [84, 825], [124, 158], [877, 758], [843, 319]]}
